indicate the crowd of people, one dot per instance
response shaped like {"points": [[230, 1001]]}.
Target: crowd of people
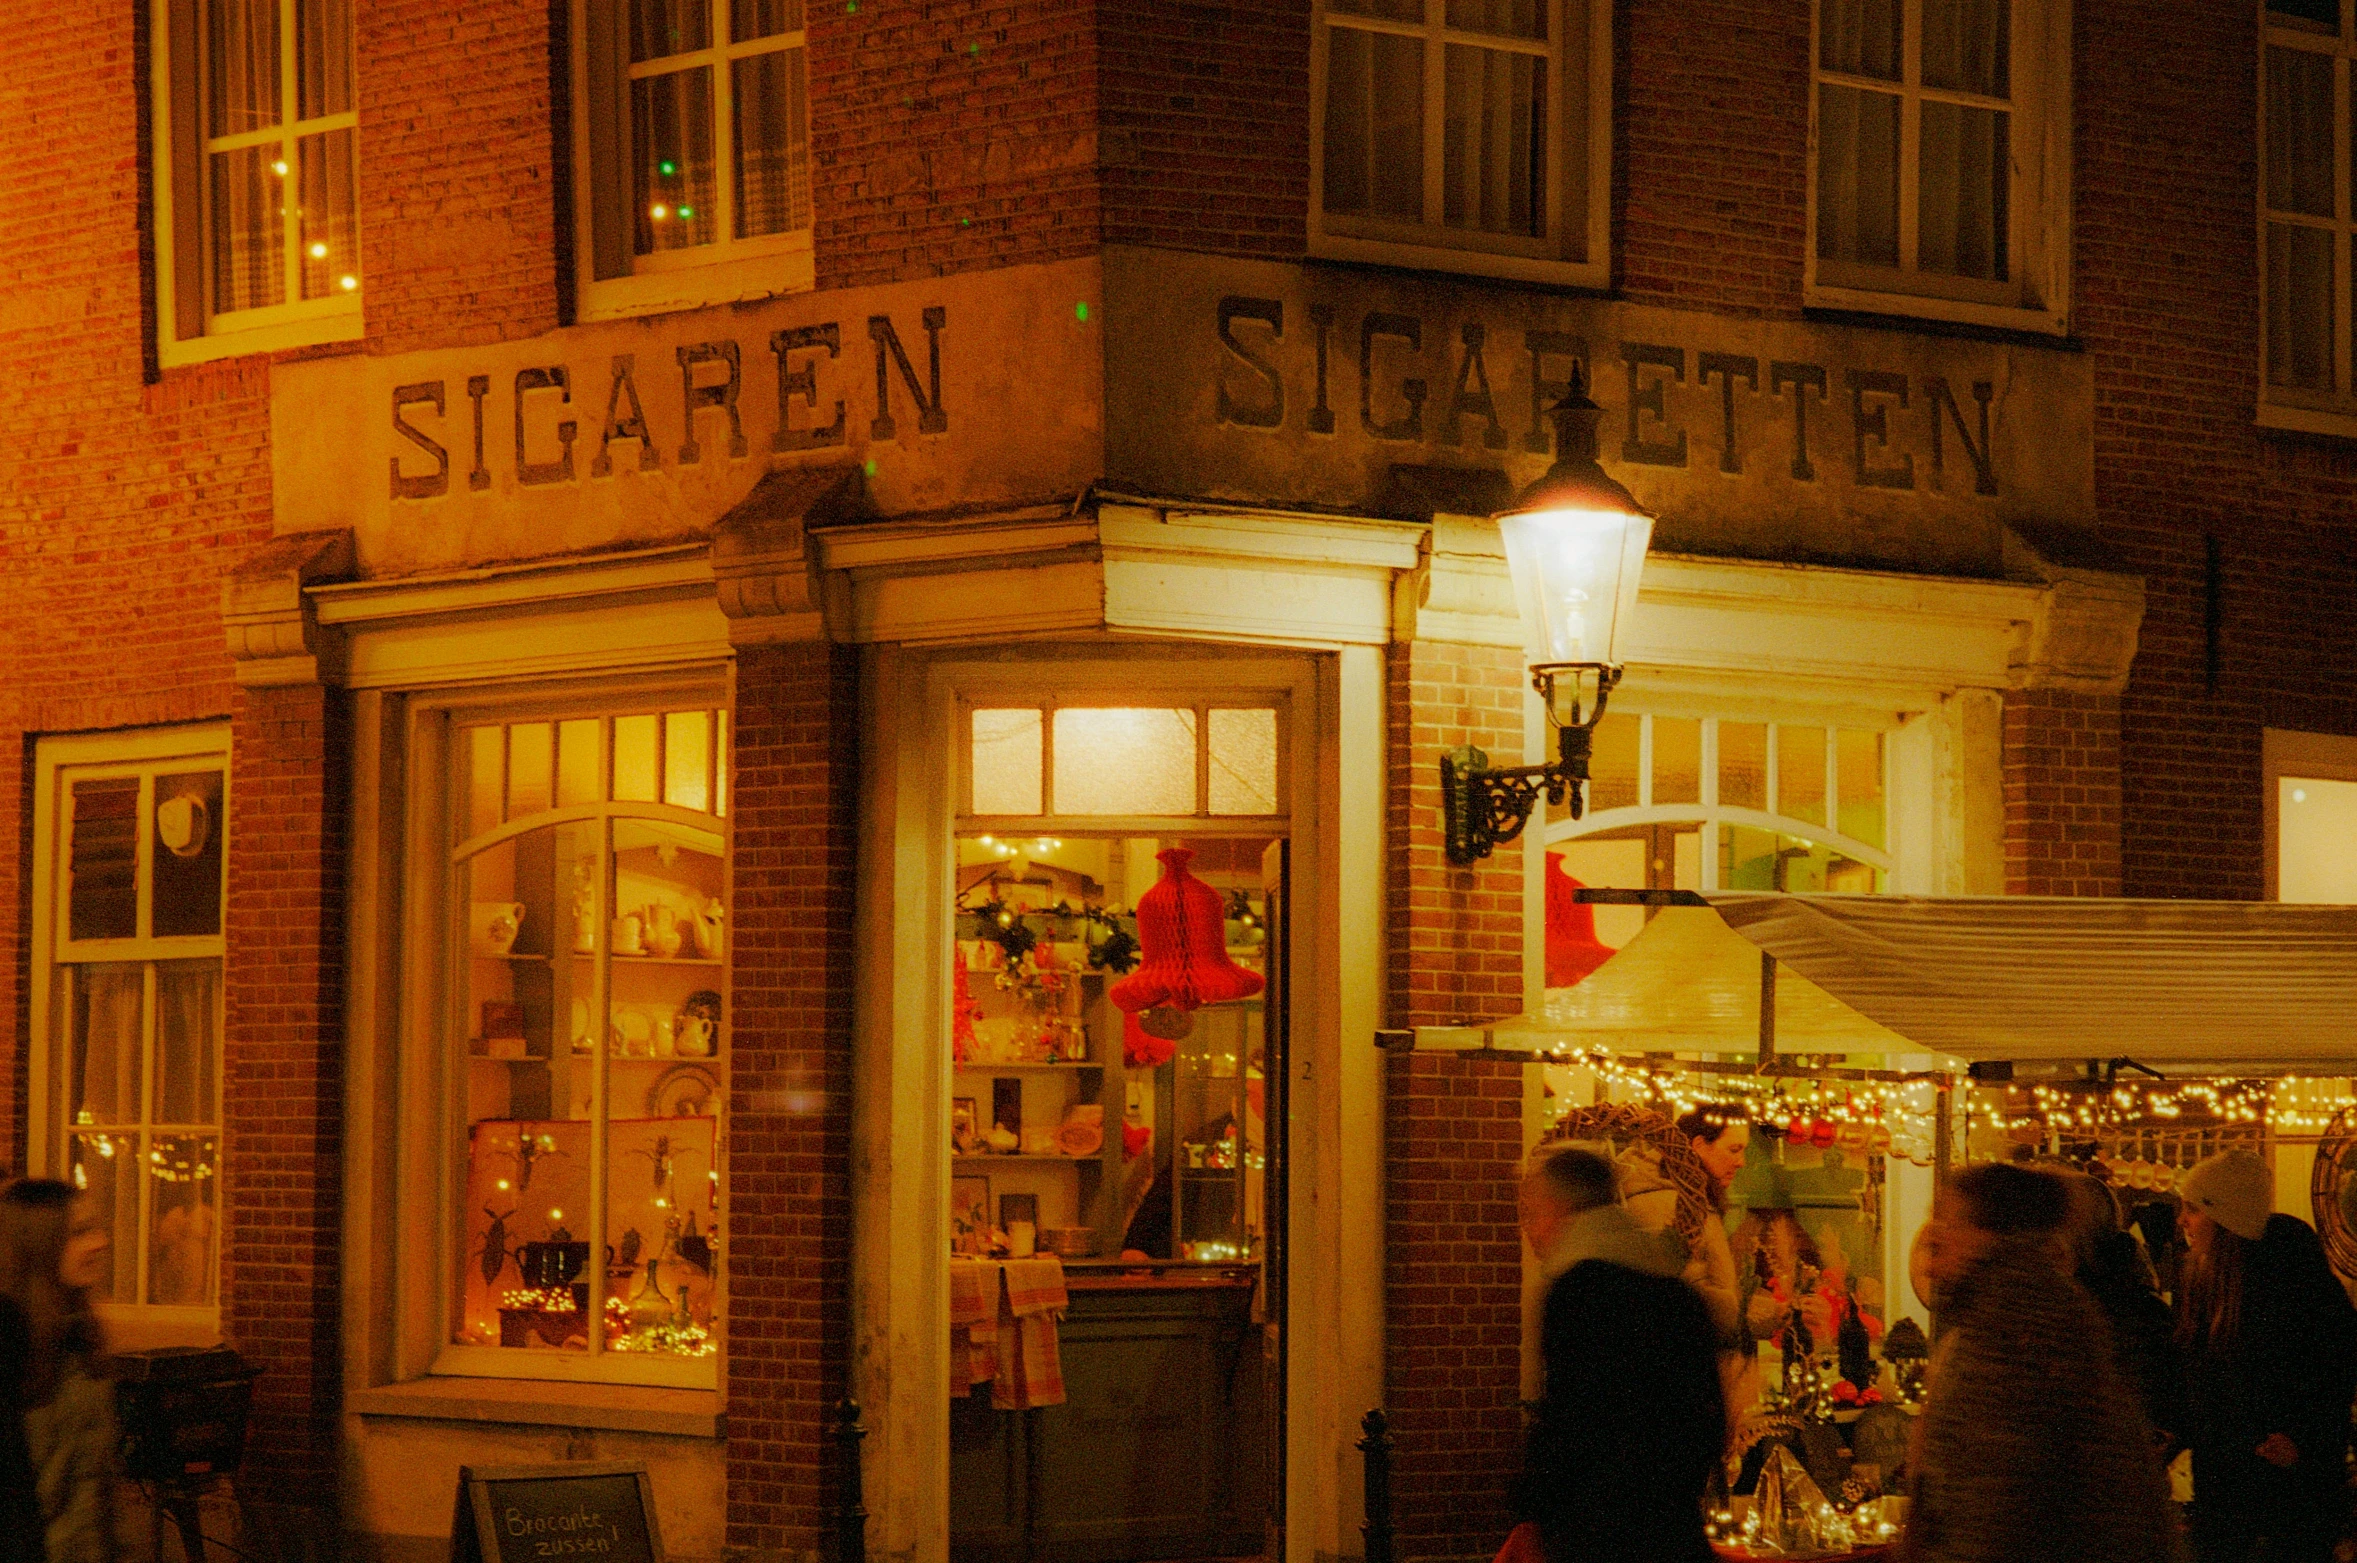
{"points": [[2060, 1389]]}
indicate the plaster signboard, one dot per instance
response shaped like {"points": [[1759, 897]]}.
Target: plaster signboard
{"points": [[1307, 384], [972, 390]]}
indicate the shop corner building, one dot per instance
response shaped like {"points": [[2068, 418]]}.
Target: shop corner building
{"points": [[467, 541]]}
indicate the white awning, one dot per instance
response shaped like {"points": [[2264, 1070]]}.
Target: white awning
{"points": [[2192, 987]]}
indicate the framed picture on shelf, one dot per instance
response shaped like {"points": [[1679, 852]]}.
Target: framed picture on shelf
{"points": [[965, 1133], [969, 1215], [1006, 1104]]}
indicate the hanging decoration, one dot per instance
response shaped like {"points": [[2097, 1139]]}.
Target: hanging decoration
{"points": [[963, 1007], [1182, 931], [1141, 1049], [1572, 947]]}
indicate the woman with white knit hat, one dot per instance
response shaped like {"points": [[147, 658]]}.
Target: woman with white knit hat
{"points": [[2271, 1362]]}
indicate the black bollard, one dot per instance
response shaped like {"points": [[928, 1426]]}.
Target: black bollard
{"points": [[851, 1516], [1376, 1446]]}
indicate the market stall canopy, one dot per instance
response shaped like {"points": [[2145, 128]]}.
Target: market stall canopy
{"points": [[2192, 987]]}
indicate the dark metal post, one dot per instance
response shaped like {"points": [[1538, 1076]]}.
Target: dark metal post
{"points": [[851, 1516], [1377, 1448]]}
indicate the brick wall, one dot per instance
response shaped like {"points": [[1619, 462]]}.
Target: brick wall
{"points": [[283, 1081], [2062, 793], [789, 1187], [1452, 1127]]}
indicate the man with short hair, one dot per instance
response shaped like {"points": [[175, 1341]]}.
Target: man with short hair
{"points": [[1630, 1416]]}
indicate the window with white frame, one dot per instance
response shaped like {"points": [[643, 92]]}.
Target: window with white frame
{"points": [[1939, 184], [2305, 216], [129, 864], [256, 211], [1468, 135], [693, 138]]}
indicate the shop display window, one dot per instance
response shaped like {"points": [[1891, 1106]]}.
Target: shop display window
{"points": [[131, 854], [590, 1038]]}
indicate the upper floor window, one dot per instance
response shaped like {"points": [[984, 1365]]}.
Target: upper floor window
{"points": [[695, 144], [257, 228], [1940, 182], [1464, 135], [128, 863], [2305, 215]]}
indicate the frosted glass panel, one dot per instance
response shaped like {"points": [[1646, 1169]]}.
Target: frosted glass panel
{"points": [[486, 777], [104, 1064], [634, 759], [1243, 762], [1743, 765], [2316, 840], [721, 753], [1677, 759], [1860, 786], [1006, 762], [577, 762], [528, 769], [687, 753], [1612, 762], [1125, 761], [1800, 774]]}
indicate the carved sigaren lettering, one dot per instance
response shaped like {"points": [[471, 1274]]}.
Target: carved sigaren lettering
{"points": [[1545, 392], [790, 380], [1321, 416], [1984, 471], [478, 386], [633, 427], [1399, 328], [1268, 410], [721, 394], [932, 416], [1729, 367], [1873, 423], [1802, 378], [425, 485], [1473, 393], [1652, 397], [554, 378]]}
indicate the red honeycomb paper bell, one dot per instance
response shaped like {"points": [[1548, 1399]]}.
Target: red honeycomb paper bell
{"points": [[1573, 950], [1183, 941]]}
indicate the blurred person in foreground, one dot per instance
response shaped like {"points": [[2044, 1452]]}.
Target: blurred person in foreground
{"points": [[2031, 1450], [2112, 1268], [53, 1246], [1630, 1417], [2270, 1347]]}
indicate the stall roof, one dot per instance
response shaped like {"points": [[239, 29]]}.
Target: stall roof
{"points": [[2190, 987]]}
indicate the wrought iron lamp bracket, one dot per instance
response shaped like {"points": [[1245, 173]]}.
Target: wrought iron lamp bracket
{"points": [[1484, 806]]}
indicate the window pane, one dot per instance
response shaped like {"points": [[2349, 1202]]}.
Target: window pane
{"points": [[323, 58], [1800, 774], [1125, 762], [185, 870], [1612, 762], [2324, 14], [1857, 176], [772, 144], [1006, 762], [102, 897], [486, 777], [763, 18], [1743, 765], [1677, 759], [1512, 18], [324, 221], [1961, 221], [1860, 777], [634, 759], [1966, 46], [1243, 762], [1389, 10], [184, 1170], [661, 1211], [103, 1047], [665, 27], [671, 128], [1860, 37], [2299, 131], [249, 270], [1494, 142], [2316, 840], [577, 762], [687, 752], [187, 1042], [103, 1166], [2299, 307], [1374, 124], [241, 53], [529, 778], [724, 757], [1765, 860]]}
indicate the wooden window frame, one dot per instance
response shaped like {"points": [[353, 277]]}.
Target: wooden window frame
{"points": [[2035, 296], [2287, 407], [727, 271], [1431, 247], [187, 330]]}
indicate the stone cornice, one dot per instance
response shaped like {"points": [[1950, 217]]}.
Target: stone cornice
{"points": [[274, 633], [761, 565]]}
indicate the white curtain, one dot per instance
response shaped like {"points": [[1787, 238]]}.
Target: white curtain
{"points": [[1858, 175], [1961, 223], [1493, 150]]}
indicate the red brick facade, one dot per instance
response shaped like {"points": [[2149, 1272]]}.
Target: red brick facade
{"points": [[2062, 793]]}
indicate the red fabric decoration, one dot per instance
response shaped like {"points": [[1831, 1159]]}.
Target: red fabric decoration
{"points": [[962, 1008], [1140, 1050], [1572, 950], [1182, 937], [1135, 1138]]}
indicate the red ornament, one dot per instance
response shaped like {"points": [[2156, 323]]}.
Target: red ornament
{"points": [[1820, 1133], [1797, 1131], [1134, 1139], [1572, 949], [962, 1009], [1182, 938], [1142, 1050]]}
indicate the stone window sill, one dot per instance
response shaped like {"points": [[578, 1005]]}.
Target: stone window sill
{"points": [[625, 1408]]}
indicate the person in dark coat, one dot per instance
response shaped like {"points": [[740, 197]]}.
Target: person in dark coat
{"points": [[2271, 1363], [2143, 1332], [20, 1501], [1630, 1418]]}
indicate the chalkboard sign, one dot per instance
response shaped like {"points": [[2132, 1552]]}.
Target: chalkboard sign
{"points": [[583, 1511]]}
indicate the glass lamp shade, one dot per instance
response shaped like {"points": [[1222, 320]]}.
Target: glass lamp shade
{"points": [[1575, 576]]}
